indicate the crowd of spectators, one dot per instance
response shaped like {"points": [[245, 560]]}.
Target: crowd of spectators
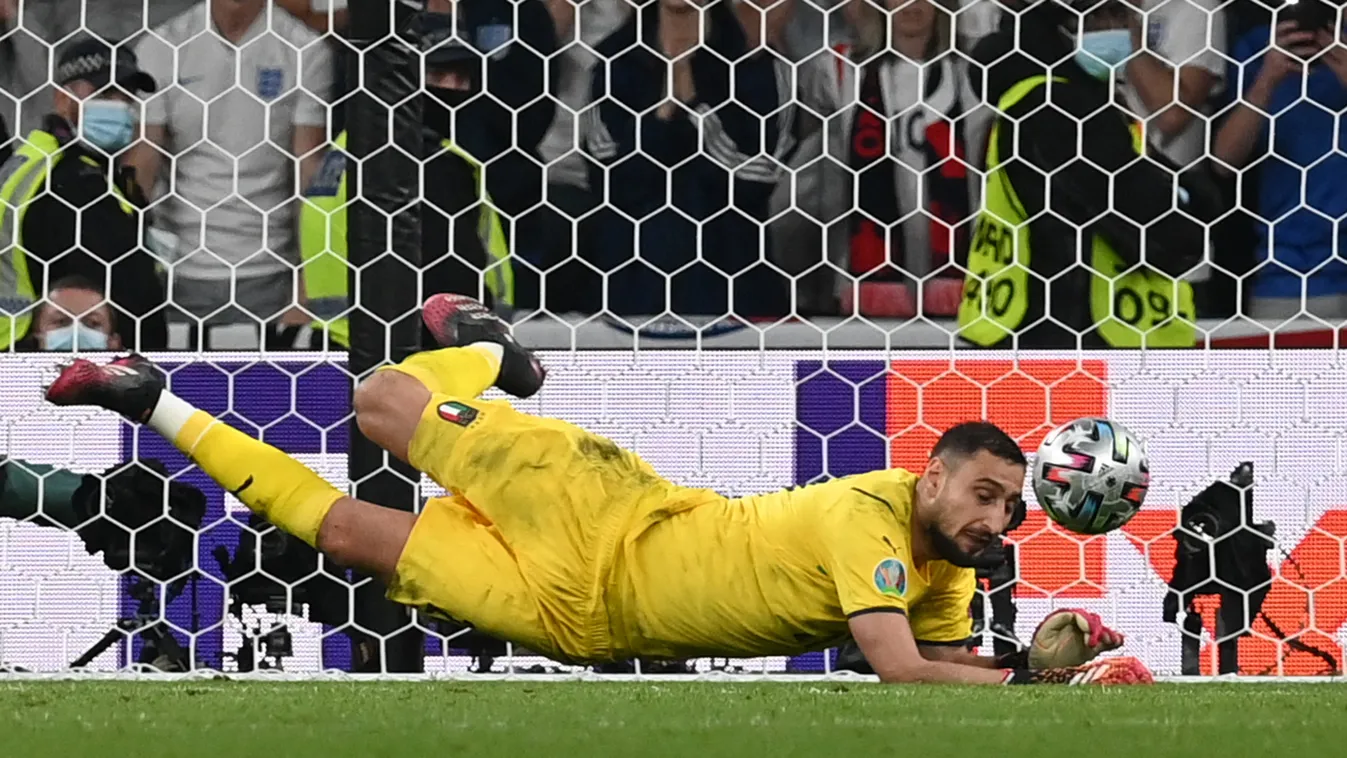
{"points": [[796, 157]]}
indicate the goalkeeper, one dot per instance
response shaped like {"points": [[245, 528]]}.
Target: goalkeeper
{"points": [[560, 541]]}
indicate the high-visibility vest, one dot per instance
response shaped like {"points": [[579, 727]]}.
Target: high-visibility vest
{"points": [[22, 177], [1131, 306], [322, 243]]}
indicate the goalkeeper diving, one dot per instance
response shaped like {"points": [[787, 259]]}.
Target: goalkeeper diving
{"points": [[560, 541]]}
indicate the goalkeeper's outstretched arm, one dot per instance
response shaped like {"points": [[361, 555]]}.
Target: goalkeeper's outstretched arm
{"points": [[887, 642]]}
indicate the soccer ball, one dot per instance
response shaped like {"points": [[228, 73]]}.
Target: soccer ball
{"points": [[1091, 475]]}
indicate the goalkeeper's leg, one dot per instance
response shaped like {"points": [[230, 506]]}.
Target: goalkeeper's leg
{"points": [[441, 385], [279, 488]]}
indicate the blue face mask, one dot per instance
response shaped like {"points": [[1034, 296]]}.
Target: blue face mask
{"points": [[68, 336], [108, 124], [1102, 51]]}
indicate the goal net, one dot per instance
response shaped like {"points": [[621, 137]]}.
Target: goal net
{"points": [[746, 265]]}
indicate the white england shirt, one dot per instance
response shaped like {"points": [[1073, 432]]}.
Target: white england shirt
{"points": [[231, 112], [1184, 33]]}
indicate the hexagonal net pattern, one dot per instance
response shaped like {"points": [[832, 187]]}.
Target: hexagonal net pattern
{"points": [[760, 243]]}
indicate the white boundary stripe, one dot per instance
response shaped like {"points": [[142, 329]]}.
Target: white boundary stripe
{"points": [[712, 677]]}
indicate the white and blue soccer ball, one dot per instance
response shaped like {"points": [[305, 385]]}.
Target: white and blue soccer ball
{"points": [[1091, 475]]}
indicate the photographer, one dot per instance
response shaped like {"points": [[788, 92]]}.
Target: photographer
{"points": [[1297, 73]]}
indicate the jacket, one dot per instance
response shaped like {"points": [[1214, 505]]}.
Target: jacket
{"points": [[716, 166], [823, 190], [61, 241], [1097, 183], [507, 127]]}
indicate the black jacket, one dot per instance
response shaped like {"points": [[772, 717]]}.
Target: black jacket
{"points": [[1076, 158], [62, 241], [6, 149], [507, 127], [670, 173], [453, 256]]}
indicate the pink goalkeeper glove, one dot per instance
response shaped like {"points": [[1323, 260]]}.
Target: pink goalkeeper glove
{"points": [[1069, 638]]}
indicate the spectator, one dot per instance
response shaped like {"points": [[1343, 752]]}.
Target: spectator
{"points": [[329, 18], [976, 19], [71, 218], [462, 239], [75, 316], [766, 23], [242, 123], [1084, 274], [895, 134], [26, 58], [322, 16], [555, 237], [1180, 46], [504, 129], [688, 195], [1302, 194]]}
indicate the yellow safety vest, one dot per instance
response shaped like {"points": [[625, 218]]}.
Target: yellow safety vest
{"points": [[1130, 306], [22, 177], [322, 243]]}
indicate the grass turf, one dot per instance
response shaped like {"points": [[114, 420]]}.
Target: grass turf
{"points": [[702, 719]]}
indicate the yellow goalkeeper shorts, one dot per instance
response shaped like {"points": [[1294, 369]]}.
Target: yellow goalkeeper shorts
{"points": [[523, 547]]}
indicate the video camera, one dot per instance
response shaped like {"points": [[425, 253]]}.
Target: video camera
{"points": [[124, 517], [145, 525], [998, 581], [275, 570], [1220, 550]]}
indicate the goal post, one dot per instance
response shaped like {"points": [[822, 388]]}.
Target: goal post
{"points": [[384, 240]]}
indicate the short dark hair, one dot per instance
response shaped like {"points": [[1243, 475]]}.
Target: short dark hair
{"points": [[82, 282], [76, 282], [972, 437]]}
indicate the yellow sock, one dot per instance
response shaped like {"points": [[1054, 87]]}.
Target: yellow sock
{"points": [[281, 489], [455, 371]]}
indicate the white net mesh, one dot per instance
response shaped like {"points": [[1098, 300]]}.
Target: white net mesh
{"points": [[740, 234]]}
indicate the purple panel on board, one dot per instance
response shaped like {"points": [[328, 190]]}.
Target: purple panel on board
{"points": [[263, 394], [840, 418]]}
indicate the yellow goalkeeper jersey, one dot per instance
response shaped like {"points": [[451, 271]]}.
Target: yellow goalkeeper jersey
{"points": [[780, 574]]}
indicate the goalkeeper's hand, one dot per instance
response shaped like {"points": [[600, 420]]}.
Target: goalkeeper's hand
{"points": [[1070, 638], [1123, 670]]}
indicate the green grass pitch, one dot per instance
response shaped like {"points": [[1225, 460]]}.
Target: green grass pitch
{"points": [[700, 719]]}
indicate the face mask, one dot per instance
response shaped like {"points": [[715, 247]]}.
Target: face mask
{"points": [[108, 124], [1102, 51], [435, 115], [448, 98], [68, 336]]}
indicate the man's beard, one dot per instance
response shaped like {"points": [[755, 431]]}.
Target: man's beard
{"points": [[949, 551]]}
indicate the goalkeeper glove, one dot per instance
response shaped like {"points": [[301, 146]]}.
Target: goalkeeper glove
{"points": [[1108, 671], [1070, 638]]}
